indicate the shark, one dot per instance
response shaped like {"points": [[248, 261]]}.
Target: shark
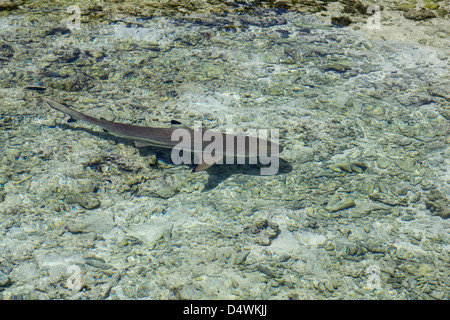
{"points": [[209, 147]]}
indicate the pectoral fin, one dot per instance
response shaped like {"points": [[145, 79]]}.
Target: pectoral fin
{"points": [[202, 166], [178, 124], [207, 162]]}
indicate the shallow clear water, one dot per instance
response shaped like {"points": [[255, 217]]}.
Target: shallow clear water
{"points": [[357, 209]]}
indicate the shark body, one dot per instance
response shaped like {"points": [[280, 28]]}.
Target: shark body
{"points": [[164, 138]]}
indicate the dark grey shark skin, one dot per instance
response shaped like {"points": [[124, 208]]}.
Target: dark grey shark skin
{"points": [[162, 137]]}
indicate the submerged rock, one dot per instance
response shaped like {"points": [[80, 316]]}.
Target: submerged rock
{"points": [[419, 15], [262, 231], [349, 166], [72, 83], [4, 279], [6, 52], [341, 21], [86, 201], [160, 188], [438, 204], [338, 203]]}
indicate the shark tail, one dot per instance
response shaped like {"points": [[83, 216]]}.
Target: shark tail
{"points": [[75, 115]]}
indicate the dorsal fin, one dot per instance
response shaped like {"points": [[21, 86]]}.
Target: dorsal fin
{"points": [[178, 124]]}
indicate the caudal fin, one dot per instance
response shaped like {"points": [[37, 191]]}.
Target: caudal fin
{"points": [[75, 115]]}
